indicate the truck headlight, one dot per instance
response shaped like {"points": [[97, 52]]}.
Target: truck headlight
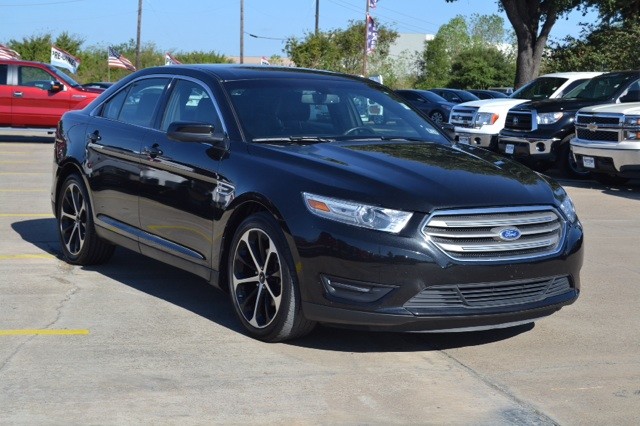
{"points": [[352, 213], [485, 118], [549, 117], [632, 120]]}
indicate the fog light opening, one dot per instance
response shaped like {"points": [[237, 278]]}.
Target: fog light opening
{"points": [[540, 147], [354, 291]]}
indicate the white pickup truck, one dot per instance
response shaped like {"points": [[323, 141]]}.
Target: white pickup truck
{"points": [[479, 122], [607, 142]]}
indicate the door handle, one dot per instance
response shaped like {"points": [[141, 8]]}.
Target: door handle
{"points": [[154, 151], [17, 94]]}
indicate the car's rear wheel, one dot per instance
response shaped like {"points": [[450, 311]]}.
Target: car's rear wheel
{"points": [[263, 283], [80, 243], [437, 117]]}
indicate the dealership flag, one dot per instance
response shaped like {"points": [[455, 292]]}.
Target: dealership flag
{"points": [[63, 59], [117, 60], [170, 60], [373, 3], [264, 61], [6, 53], [372, 35]]}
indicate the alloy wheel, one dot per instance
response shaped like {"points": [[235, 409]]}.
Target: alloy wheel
{"points": [[73, 219], [257, 278]]}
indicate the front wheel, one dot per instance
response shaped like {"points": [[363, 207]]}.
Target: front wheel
{"points": [[262, 282], [437, 117], [567, 164], [80, 243]]}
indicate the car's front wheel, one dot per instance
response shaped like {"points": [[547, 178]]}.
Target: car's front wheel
{"points": [[80, 243], [263, 282], [437, 117]]}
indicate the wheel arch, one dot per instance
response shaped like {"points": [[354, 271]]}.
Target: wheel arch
{"points": [[63, 172]]}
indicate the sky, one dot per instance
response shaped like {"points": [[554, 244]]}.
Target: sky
{"points": [[214, 25]]}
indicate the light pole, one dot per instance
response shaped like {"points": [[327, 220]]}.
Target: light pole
{"points": [[138, 34], [242, 31]]}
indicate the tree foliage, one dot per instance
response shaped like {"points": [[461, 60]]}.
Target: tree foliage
{"points": [[339, 50], [481, 67]]}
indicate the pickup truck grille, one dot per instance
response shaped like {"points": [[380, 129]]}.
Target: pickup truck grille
{"points": [[484, 295], [601, 127], [599, 120], [597, 135], [463, 116], [519, 120], [495, 234]]}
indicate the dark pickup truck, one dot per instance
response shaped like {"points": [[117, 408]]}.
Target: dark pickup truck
{"points": [[538, 133]]}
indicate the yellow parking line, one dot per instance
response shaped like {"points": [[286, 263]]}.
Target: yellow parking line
{"points": [[26, 256], [26, 214], [46, 332]]}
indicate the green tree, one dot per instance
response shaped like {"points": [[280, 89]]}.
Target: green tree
{"points": [[480, 67], [33, 48], [339, 50], [435, 65]]}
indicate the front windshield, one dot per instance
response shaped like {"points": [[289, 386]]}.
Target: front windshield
{"points": [[605, 87], [64, 77], [320, 110], [538, 89]]}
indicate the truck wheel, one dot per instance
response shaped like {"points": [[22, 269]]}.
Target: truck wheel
{"points": [[566, 164], [80, 243], [606, 179], [263, 282]]}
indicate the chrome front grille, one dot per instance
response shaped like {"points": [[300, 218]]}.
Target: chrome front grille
{"points": [[495, 234], [463, 116], [519, 120], [482, 295]]}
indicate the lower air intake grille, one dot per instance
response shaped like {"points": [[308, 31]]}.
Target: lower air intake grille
{"points": [[488, 294]]}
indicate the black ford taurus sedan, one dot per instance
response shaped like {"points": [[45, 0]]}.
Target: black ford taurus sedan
{"points": [[277, 186]]}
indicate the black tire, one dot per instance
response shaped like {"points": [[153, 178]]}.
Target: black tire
{"points": [[437, 117], [78, 239], [566, 164], [263, 283], [612, 180]]}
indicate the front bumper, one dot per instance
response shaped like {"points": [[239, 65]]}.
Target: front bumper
{"points": [[469, 136], [537, 149], [402, 284], [623, 159]]}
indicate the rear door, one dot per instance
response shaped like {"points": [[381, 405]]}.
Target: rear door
{"points": [[33, 103], [115, 136]]}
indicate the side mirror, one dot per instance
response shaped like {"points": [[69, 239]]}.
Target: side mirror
{"points": [[56, 87], [194, 132]]}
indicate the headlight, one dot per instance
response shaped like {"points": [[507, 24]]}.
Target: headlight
{"points": [[632, 121], [356, 214], [447, 107], [549, 117], [566, 205], [485, 118]]}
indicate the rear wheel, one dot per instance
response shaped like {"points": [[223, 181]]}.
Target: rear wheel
{"points": [[437, 117], [263, 283], [80, 243]]}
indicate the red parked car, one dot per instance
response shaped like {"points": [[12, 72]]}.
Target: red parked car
{"points": [[33, 97]]}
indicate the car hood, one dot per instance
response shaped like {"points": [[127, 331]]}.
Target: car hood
{"points": [[494, 103], [557, 105], [415, 176], [628, 108]]}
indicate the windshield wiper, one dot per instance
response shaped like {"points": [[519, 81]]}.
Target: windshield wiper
{"points": [[294, 139]]}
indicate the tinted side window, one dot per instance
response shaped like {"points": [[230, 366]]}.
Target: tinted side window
{"points": [[3, 74], [111, 108], [34, 77], [189, 101], [142, 101]]}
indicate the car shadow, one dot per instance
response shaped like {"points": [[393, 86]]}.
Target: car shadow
{"points": [[630, 189], [192, 293]]}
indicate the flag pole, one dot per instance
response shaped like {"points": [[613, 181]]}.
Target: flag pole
{"points": [[366, 41], [108, 68]]}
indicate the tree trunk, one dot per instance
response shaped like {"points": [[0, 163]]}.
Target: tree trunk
{"points": [[525, 16]]}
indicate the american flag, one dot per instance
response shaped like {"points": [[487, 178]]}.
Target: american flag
{"points": [[372, 35], [117, 60], [7, 53], [170, 60], [373, 3]]}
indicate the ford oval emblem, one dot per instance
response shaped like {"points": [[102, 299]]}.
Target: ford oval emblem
{"points": [[509, 234]]}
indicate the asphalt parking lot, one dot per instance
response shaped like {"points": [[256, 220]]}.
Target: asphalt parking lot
{"points": [[136, 341]]}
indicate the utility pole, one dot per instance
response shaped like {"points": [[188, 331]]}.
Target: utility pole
{"points": [[138, 35], [317, 16], [242, 31]]}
